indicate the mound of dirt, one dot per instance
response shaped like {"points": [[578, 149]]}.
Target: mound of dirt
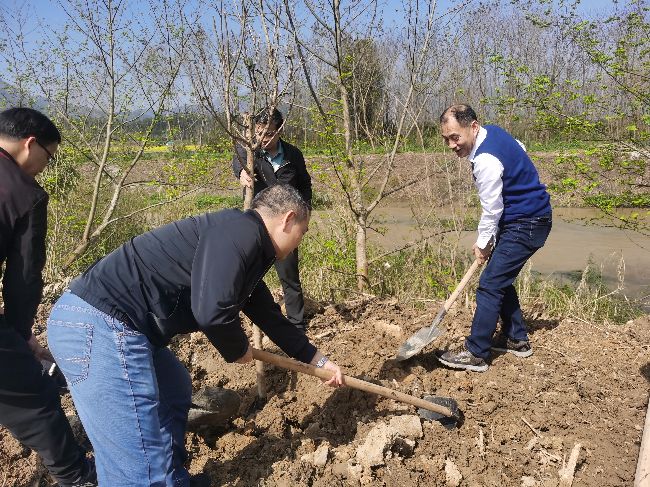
{"points": [[586, 383]]}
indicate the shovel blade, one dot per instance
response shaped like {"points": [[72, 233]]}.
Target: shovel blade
{"points": [[418, 341], [213, 405], [422, 338], [449, 422]]}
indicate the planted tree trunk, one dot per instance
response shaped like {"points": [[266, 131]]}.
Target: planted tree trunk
{"points": [[259, 366], [250, 169], [248, 201], [362, 254]]}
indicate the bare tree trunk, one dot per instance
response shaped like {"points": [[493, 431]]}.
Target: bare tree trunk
{"points": [[362, 254], [259, 365], [250, 166], [248, 201], [85, 239], [202, 129]]}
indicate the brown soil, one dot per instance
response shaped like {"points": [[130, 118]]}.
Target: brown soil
{"points": [[586, 383]]}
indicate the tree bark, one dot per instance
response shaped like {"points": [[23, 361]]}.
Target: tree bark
{"points": [[259, 366], [248, 201], [362, 254], [250, 166]]}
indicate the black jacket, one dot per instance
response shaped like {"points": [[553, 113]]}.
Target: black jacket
{"points": [[23, 228], [195, 274], [292, 171]]}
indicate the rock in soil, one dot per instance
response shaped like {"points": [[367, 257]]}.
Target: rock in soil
{"points": [[408, 426], [453, 477], [378, 442]]}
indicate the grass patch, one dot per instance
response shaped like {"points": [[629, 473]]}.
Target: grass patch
{"points": [[213, 203], [587, 296], [321, 201], [625, 200]]}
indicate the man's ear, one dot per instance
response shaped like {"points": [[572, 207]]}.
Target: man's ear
{"points": [[475, 125], [28, 143], [288, 219]]}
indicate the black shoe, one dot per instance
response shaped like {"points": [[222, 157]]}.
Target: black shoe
{"points": [[461, 358], [520, 348], [200, 480], [87, 479]]}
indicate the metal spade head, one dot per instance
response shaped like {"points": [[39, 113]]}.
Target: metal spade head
{"points": [[422, 338], [213, 405], [448, 422]]}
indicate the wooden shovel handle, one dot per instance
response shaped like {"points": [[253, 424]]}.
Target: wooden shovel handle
{"points": [[287, 363], [468, 275]]}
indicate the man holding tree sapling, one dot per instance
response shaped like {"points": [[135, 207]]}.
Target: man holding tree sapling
{"points": [[278, 162]]}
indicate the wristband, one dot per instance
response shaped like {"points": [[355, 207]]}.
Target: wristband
{"points": [[322, 361]]}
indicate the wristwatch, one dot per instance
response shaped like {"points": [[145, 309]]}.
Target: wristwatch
{"points": [[322, 361]]}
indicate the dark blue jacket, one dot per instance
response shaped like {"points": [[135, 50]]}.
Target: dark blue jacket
{"points": [[195, 274], [23, 228], [292, 171]]}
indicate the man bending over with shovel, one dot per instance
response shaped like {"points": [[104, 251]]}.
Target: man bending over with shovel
{"points": [[515, 223], [109, 332]]}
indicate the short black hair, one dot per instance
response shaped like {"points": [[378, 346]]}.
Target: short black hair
{"points": [[279, 199], [20, 123], [464, 115], [266, 115]]}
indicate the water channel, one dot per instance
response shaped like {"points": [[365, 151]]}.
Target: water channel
{"points": [[567, 250]]}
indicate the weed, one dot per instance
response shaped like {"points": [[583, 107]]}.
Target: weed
{"points": [[625, 200], [213, 202], [587, 297]]}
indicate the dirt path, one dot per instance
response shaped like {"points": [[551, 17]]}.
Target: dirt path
{"points": [[586, 383]]}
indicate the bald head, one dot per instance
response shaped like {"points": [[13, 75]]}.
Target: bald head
{"points": [[463, 114]]}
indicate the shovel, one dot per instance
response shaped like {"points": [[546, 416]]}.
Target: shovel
{"points": [[429, 333], [442, 409], [213, 405]]}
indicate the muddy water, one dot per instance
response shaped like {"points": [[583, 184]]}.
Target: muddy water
{"points": [[567, 250]]}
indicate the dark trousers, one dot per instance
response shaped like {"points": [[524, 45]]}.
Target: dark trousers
{"points": [[496, 295], [30, 408], [293, 300]]}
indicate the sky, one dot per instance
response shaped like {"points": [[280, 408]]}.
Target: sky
{"points": [[49, 11], [43, 13]]}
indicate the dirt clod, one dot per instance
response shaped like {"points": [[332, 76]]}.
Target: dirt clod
{"points": [[453, 477], [408, 426], [378, 442]]}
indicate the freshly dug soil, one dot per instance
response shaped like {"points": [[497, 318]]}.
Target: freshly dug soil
{"points": [[586, 383]]}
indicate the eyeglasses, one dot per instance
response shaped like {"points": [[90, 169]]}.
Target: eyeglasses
{"points": [[49, 159], [268, 134]]}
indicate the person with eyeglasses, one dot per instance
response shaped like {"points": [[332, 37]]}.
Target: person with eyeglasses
{"points": [[30, 405], [50, 155], [278, 162]]}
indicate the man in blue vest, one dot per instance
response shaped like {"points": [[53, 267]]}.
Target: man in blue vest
{"points": [[515, 223]]}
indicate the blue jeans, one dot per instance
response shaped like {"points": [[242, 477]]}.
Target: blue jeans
{"points": [[496, 296], [133, 398]]}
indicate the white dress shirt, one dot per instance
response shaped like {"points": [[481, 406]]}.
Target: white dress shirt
{"points": [[488, 171]]}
